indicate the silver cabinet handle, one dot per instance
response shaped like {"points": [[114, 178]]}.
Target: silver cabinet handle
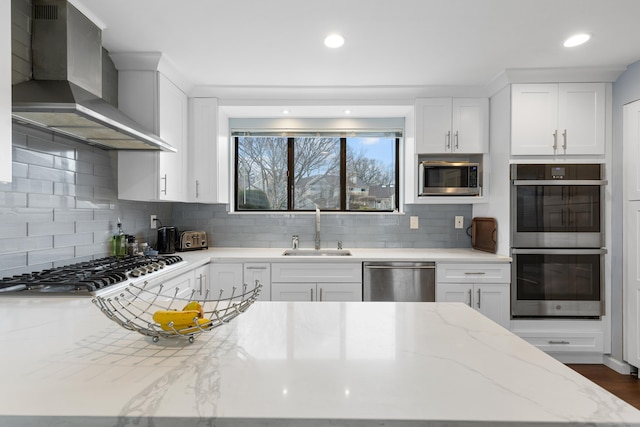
{"points": [[200, 279], [197, 188], [478, 302], [563, 342], [255, 268], [555, 140], [456, 137], [474, 273], [311, 294], [470, 299], [564, 140], [448, 139], [164, 178], [320, 295]]}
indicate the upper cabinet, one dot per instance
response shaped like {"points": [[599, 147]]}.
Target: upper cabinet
{"points": [[5, 92], [452, 125], [203, 150], [558, 119], [150, 98]]}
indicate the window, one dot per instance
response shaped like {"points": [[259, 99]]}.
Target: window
{"points": [[300, 172]]}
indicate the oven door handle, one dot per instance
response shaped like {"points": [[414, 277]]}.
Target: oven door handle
{"points": [[554, 251], [561, 182]]}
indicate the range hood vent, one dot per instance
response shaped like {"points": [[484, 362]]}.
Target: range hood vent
{"points": [[65, 95]]}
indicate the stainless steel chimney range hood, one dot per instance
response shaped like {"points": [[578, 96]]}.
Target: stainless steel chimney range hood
{"points": [[65, 95]]}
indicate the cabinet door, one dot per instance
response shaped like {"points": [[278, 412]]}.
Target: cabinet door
{"points": [[339, 292], [581, 118], [5, 92], [203, 153], [224, 277], [631, 291], [433, 125], [631, 145], [172, 116], [452, 292], [534, 118], [293, 291], [260, 271], [470, 125], [201, 281], [493, 301], [181, 285]]}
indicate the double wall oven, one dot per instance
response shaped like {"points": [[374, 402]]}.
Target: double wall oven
{"points": [[557, 223]]}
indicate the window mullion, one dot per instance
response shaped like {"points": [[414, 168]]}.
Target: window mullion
{"points": [[343, 174], [290, 174]]}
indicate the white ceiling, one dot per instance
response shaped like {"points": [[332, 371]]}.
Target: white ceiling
{"points": [[389, 43]]}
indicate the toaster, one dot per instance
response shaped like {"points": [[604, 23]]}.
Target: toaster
{"points": [[192, 240]]}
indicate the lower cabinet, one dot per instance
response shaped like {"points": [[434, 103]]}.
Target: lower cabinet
{"points": [[490, 300], [261, 272], [223, 278], [484, 287], [316, 282], [316, 292]]}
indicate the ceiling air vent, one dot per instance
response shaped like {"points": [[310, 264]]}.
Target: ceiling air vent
{"points": [[45, 12]]}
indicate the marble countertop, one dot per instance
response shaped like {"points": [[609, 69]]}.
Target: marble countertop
{"points": [[453, 255], [288, 364]]}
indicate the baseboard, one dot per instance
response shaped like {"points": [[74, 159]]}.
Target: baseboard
{"points": [[617, 365]]}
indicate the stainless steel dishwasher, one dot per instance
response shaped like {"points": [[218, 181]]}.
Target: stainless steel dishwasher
{"points": [[399, 281]]}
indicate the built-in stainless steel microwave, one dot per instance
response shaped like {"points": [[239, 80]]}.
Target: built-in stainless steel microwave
{"points": [[448, 179]]}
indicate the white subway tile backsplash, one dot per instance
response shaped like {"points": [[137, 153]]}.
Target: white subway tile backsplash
{"points": [[50, 228], [38, 257], [47, 219]]}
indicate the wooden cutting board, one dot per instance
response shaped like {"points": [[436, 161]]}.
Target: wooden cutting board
{"points": [[484, 234]]}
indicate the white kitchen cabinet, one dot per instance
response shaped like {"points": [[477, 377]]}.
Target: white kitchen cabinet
{"points": [[558, 119], [154, 101], [452, 125], [223, 278], [201, 280], [631, 241], [5, 93], [261, 272], [316, 291], [316, 282], [484, 287], [492, 300], [202, 183]]}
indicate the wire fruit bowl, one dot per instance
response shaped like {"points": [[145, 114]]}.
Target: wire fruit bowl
{"points": [[156, 312]]}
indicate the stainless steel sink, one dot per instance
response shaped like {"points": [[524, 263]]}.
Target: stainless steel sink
{"points": [[316, 252]]}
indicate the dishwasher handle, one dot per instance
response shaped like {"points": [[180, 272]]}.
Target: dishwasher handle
{"points": [[395, 267]]}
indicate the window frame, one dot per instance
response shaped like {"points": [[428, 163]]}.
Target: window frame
{"points": [[342, 176]]}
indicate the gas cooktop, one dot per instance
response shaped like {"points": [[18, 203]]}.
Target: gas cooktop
{"points": [[87, 277]]}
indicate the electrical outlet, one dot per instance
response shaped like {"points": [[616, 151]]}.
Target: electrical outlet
{"points": [[413, 223], [459, 222], [153, 222]]}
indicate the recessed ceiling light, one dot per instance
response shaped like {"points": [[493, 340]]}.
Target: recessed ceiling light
{"points": [[576, 40], [285, 111], [334, 40], [347, 111]]}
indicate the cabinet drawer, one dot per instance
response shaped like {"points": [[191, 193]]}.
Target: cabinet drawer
{"points": [[473, 273], [316, 272], [583, 342]]}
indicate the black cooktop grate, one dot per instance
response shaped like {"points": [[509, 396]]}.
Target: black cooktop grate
{"points": [[86, 276]]}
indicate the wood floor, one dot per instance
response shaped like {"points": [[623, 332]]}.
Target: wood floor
{"points": [[626, 387]]}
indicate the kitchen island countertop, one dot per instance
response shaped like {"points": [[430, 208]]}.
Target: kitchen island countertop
{"points": [[288, 364]]}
